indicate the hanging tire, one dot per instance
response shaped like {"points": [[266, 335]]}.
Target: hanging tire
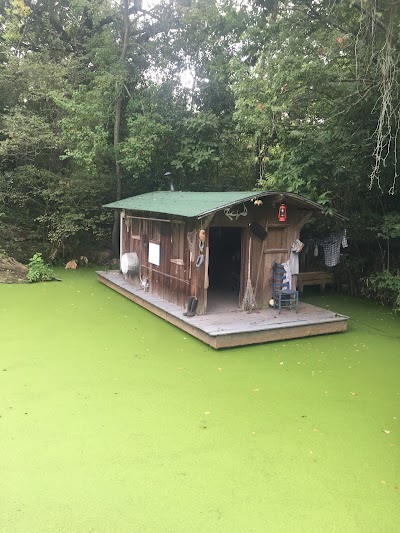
{"points": [[130, 264]]}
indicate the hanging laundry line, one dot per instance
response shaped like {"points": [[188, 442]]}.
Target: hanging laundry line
{"points": [[331, 247]]}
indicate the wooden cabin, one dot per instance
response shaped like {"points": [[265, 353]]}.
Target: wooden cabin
{"points": [[207, 244]]}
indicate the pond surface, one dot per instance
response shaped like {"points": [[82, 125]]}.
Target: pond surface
{"points": [[112, 420]]}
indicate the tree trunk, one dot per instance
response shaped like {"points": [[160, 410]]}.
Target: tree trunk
{"points": [[117, 132]]}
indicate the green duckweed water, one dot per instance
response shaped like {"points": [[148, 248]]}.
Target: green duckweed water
{"points": [[114, 421]]}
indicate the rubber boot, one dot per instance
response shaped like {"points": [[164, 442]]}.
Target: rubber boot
{"points": [[188, 306], [193, 307]]}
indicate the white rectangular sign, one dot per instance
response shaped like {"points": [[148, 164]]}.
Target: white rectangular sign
{"points": [[154, 253]]}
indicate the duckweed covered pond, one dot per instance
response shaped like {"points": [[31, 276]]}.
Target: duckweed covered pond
{"points": [[112, 420]]}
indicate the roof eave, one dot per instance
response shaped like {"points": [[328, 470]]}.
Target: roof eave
{"points": [[299, 200], [225, 206], [317, 208]]}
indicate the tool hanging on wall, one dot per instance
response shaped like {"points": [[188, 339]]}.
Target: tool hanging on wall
{"points": [[202, 239], [249, 300], [261, 261], [191, 237], [200, 261], [258, 230]]}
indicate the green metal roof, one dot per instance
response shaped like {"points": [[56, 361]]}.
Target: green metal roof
{"points": [[199, 204]]}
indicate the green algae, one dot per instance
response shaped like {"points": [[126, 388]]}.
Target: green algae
{"points": [[114, 421]]}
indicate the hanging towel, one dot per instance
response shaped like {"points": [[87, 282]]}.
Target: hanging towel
{"points": [[288, 274], [296, 248]]}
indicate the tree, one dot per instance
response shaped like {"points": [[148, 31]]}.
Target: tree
{"points": [[299, 96], [70, 70], [308, 90]]}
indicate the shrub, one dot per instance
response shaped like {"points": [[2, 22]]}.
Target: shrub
{"points": [[385, 288], [37, 270]]}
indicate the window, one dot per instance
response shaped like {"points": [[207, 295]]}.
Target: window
{"points": [[154, 233], [136, 225], [177, 242]]}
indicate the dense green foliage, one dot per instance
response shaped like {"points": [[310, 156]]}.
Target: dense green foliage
{"points": [[38, 270], [385, 288], [102, 99]]}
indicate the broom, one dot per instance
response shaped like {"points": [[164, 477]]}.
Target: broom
{"points": [[249, 300]]}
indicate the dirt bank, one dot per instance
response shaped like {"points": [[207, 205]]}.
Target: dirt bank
{"points": [[11, 271]]}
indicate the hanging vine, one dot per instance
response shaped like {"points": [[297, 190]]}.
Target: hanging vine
{"points": [[378, 24], [387, 130]]}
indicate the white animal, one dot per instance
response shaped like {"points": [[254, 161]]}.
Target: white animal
{"points": [[144, 283]]}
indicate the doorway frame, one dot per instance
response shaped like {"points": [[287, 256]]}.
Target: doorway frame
{"points": [[242, 275]]}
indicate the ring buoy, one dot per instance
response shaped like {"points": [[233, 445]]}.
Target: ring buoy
{"points": [[200, 261], [130, 264]]}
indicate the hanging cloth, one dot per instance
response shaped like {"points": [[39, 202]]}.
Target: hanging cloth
{"points": [[331, 248], [296, 248], [288, 274]]}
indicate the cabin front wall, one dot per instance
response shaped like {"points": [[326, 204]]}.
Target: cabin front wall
{"points": [[177, 277], [276, 246]]}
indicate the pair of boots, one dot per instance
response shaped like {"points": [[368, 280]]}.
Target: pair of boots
{"points": [[191, 306]]}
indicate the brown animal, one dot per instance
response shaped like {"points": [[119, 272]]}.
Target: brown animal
{"points": [[71, 265]]}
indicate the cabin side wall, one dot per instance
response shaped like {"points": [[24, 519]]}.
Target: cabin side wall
{"points": [[171, 278]]}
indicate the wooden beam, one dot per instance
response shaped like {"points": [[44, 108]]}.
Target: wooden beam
{"points": [[261, 337], [279, 225], [206, 221], [303, 221], [276, 251]]}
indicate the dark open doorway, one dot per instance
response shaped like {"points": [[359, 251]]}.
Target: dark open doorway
{"points": [[224, 269]]}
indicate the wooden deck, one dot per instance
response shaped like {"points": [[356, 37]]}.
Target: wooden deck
{"points": [[233, 328]]}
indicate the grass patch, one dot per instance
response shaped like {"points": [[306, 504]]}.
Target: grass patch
{"points": [[113, 420]]}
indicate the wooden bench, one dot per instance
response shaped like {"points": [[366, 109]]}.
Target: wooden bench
{"points": [[313, 278]]}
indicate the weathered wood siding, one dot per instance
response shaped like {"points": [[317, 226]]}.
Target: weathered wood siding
{"points": [[176, 277], [171, 278], [276, 247]]}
